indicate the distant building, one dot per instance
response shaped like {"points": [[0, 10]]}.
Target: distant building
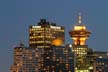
{"points": [[53, 60], [58, 59], [26, 59], [42, 35], [70, 60], [100, 54], [101, 65], [64, 58]]}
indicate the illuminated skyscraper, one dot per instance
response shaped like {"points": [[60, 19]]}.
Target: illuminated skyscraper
{"points": [[79, 35], [42, 35]]}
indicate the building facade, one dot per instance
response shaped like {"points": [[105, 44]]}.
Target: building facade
{"points": [[58, 59], [26, 59], [101, 65], [42, 35]]}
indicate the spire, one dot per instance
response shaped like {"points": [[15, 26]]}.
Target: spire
{"points": [[79, 18]]}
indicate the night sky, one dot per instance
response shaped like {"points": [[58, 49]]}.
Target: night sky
{"points": [[17, 15]]}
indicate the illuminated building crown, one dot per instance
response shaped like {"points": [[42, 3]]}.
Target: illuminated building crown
{"points": [[79, 34]]}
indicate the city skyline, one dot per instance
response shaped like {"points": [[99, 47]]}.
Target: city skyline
{"points": [[48, 53], [16, 16]]}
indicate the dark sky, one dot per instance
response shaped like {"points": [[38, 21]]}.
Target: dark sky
{"points": [[17, 15]]}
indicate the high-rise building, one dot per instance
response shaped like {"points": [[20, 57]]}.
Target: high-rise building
{"points": [[26, 59], [69, 58], [58, 59], [79, 35], [42, 35]]}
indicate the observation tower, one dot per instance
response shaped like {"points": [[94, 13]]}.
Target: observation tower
{"points": [[79, 35]]}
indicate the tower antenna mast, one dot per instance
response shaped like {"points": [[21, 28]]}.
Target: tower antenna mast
{"points": [[79, 18]]}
